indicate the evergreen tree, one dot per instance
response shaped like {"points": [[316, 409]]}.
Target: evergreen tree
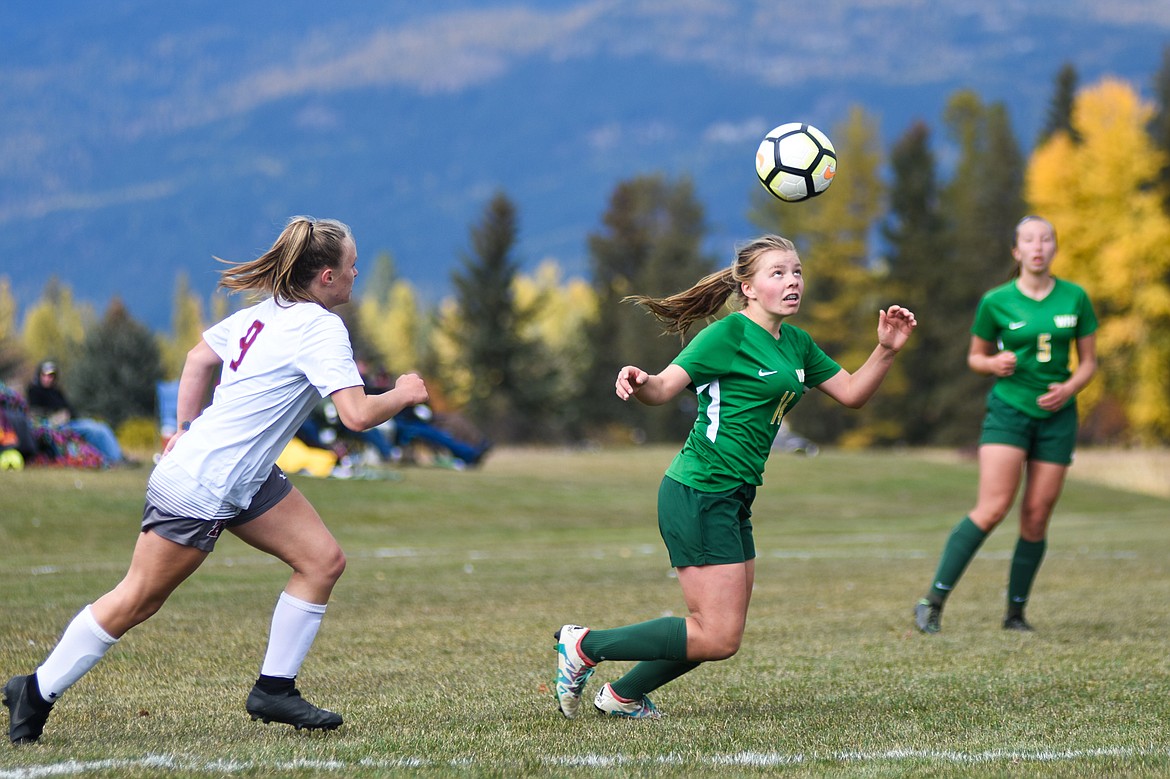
{"points": [[1160, 126], [117, 369], [843, 290], [920, 275], [1059, 117], [650, 244], [511, 387], [982, 203]]}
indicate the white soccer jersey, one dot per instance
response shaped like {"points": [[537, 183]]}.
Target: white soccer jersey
{"points": [[278, 362]]}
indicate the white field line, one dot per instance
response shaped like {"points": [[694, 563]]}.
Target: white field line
{"points": [[165, 763]]}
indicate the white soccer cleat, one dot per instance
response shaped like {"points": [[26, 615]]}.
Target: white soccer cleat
{"points": [[573, 670], [609, 703]]}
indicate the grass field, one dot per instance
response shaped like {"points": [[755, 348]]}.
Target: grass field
{"points": [[438, 647]]}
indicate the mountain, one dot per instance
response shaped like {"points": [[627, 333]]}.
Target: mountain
{"points": [[141, 139]]}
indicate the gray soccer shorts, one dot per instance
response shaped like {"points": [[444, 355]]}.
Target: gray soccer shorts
{"points": [[203, 533]]}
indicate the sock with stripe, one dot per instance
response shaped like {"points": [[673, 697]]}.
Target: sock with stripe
{"points": [[961, 546], [1025, 563]]}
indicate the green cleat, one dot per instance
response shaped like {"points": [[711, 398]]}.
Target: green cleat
{"points": [[928, 616], [1017, 623]]}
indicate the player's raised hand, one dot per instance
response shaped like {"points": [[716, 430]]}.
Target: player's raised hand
{"points": [[894, 327]]}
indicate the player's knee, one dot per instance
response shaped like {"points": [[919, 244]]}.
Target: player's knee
{"points": [[1034, 521], [325, 566], [988, 515], [334, 565], [722, 647], [726, 649], [120, 616]]}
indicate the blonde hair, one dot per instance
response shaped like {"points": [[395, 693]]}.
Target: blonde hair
{"points": [[303, 249], [711, 293]]}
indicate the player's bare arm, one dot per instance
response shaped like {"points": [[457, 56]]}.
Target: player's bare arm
{"points": [[359, 411], [1059, 394], [651, 389], [853, 390], [199, 370]]}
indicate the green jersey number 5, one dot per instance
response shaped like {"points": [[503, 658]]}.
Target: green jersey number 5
{"points": [[1044, 347]]}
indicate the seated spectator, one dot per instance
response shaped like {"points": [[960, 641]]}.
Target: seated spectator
{"points": [[418, 423], [38, 442], [392, 439], [16, 431], [47, 400], [415, 424]]}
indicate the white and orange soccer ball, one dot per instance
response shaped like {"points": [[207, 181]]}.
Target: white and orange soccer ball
{"points": [[796, 161]]}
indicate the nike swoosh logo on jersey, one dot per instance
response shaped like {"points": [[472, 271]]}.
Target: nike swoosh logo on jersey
{"points": [[1016, 325], [764, 373]]}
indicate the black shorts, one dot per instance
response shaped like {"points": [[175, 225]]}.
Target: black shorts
{"points": [[203, 533]]}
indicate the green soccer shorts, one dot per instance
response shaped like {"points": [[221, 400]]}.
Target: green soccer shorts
{"points": [[1050, 440], [706, 528]]}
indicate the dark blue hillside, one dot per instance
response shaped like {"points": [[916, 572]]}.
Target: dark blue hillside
{"points": [[123, 160]]}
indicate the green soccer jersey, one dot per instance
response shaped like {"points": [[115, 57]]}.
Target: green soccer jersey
{"points": [[746, 381], [1040, 332]]}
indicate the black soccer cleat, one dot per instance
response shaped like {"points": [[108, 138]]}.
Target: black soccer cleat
{"points": [[26, 719], [928, 616], [1017, 623], [291, 709]]}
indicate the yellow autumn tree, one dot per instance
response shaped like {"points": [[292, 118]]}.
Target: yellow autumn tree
{"points": [[454, 377], [7, 310], [55, 326], [11, 356], [395, 326], [187, 326], [1102, 194], [561, 310]]}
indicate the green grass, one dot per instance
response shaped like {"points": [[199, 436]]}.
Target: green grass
{"points": [[438, 647]]}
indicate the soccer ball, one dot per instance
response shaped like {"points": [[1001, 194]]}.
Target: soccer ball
{"points": [[796, 161]]}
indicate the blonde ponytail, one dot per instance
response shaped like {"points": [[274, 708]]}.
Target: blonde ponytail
{"points": [[710, 294]]}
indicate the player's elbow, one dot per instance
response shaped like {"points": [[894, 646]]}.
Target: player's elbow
{"points": [[853, 399], [358, 420]]}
